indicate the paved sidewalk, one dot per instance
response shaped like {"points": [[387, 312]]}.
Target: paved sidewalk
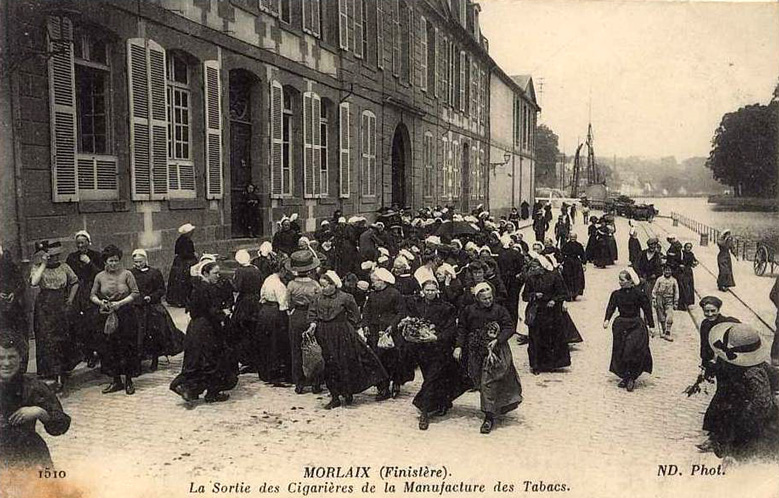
{"points": [[574, 426]]}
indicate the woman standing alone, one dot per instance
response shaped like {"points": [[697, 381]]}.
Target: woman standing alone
{"points": [[724, 262]]}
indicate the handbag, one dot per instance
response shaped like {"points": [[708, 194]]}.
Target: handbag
{"points": [[313, 362], [111, 324]]}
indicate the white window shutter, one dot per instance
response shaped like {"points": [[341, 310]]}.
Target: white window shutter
{"points": [[379, 34], [62, 106], [140, 129], [423, 53], [276, 104], [316, 143], [372, 159], [343, 24], [213, 94], [158, 119], [462, 82], [396, 37], [344, 165], [308, 150], [358, 27]]}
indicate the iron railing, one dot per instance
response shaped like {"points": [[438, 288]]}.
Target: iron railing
{"points": [[743, 248]]}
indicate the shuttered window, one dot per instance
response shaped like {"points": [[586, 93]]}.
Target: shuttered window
{"points": [[456, 163], [483, 179], [181, 167], [148, 119], [80, 106], [344, 158], [312, 19], [379, 34], [213, 98], [343, 24], [324, 168], [396, 42], [447, 169], [312, 145], [272, 7], [428, 184], [422, 67], [474, 172], [357, 12], [462, 82], [452, 72], [368, 153], [276, 143]]}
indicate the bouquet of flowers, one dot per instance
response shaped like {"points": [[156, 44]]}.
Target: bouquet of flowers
{"points": [[417, 330], [695, 387]]}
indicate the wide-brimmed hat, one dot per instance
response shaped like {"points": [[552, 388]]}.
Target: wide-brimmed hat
{"points": [[740, 344], [48, 247], [302, 261], [186, 228]]}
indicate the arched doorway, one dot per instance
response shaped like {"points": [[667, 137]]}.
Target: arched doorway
{"points": [[244, 216], [401, 161], [465, 179]]}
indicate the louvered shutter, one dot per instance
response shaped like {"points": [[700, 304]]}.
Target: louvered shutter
{"points": [[462, 83], [379, 34], [343, 24], [276, 103], [436, 63], [344, 164], [62, 106], [140, 131], [422, 53], [372, 149], [396, 37], [213, 95], [358, 27], [308, 150], [159, 119], [316, 143]]}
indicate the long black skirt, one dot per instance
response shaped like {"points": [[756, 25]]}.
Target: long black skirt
{"points": [[547, 343], [54, 348], [158, 335], [121, 353], [273, 355], [725, 266], [397, 361], [208, 362], [246, 315], [351, 366], [573, 274], [179, 282], [630, 354], [443, 378], [570, 330], [686, 288]]}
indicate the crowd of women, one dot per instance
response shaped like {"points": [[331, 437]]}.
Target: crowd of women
{"points": [[363, 305]]}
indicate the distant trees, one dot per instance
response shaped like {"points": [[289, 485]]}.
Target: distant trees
{"points": [[547, 154], [744, 150]]}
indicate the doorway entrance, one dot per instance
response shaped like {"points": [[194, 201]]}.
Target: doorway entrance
{"points": [[244, 206], [401, 150]]}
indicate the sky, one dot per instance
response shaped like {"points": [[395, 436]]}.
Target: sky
{"points": [[655, 77]]}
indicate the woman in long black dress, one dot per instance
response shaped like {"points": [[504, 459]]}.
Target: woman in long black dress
{"points": [[574, 265], [484, 329], [179, 280], [545, 292], [86, 263], [113, 292], [592, 239], [23, 402], [687, 277], [159, 335], [634, 248], [724, 262], [443, 381], [630, 354], [208, 365], [55, 352], [247, 282], [381, 314], [351, 366]]}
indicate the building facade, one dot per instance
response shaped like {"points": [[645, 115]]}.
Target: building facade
{"points": [[513, 114], [128, 119]]}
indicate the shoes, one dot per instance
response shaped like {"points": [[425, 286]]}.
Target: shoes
{"points": [[486, 426], [383, 394], [245, 369], [348, 399], [299, 389], [129, 388], [334, 403], [522, 340], [316, 389], [441, 411], [534, 371], [622, 383], [668, 337], [424, 422], [113, 387], [395, 391], [92, 361], [217, 398], [188, 397], [631, 384], [155, 362], [706, 446]]}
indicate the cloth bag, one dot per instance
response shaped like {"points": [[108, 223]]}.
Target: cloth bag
{"points": [[111, 324], [313, 362], [531, 312]]}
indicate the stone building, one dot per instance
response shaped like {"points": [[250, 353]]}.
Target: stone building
{"points": [[128, 119]]}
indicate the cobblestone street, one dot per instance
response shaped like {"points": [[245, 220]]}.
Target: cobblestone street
{"points": [[574, 427]]}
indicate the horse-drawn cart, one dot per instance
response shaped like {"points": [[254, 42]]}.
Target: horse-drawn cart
{"points": [[765, 255]]}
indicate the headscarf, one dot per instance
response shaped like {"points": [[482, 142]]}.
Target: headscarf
{"points": [[334, 278], [481, 287], [544, 261], [384, 275], [633, 275], [266, 248], [242, 257], [137, 252], [85, 234]]}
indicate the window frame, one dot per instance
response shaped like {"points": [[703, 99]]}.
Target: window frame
{"points": [[172, 86], [368, 158]]}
